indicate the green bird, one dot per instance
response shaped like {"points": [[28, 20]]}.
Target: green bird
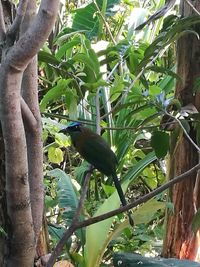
{"points": [[95, 150]]}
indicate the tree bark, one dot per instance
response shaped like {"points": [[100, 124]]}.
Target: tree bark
{"points": [[21, 127], [33, 134], [180, 241]]}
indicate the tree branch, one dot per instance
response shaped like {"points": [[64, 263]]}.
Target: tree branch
{"points": [[28, 116], [193, 7], [15, 27], [2, 24], [29, 43], [107, 215]]}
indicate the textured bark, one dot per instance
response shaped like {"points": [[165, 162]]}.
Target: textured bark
{"points": [[24, 193], [3, 200], [33, 135], [180, 241], [21, 235]]}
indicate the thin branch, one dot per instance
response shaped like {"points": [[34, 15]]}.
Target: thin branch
{"points": [[83, 194], [98, 116], [2, 24], [51, 115], [15, 27], [105, 22], [184, 130], [141, 200], [191, 5], [107, 215], [28, 116]]}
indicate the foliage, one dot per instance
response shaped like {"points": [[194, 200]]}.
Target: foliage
{"points": [[102, 66]]}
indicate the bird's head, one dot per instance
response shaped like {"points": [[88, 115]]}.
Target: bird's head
{"points": [[72, 128]]}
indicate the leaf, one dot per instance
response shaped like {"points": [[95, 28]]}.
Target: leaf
{"points": [[145, 212], [86, 19], [55, 155], [102, 228], [67, 198], [160, 143], [71, 103], [54, 93], [185, 125], [48, 58], [63, 48], [83, 58], [137, 169], [196, 222], [163, 70]]}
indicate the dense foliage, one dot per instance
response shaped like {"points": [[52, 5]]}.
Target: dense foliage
{"points": [[97, 69]]}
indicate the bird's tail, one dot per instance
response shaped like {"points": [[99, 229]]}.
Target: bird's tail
{"points": [[122, 197]]}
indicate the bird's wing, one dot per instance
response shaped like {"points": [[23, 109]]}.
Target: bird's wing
{"points": [[97, 152]]}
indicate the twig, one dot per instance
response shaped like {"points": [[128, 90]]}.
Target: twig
{"points": [[191, 5], [107, 215], [105, 22], [51, 115], [98, 116], [185, 132]]}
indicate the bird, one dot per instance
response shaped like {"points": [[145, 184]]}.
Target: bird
{"points": [[96, 151]]}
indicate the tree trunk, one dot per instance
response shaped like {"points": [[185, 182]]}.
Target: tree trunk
{"points": [[180, 241], [21, 126]]}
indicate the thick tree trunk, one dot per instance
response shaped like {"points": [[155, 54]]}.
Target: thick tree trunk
{"points": [[180, 241], [21, 127]]}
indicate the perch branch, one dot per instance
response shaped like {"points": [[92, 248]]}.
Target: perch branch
{"points": [[107, 215]]}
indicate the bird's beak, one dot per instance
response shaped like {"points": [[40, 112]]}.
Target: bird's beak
{"points": [[64, 130]]}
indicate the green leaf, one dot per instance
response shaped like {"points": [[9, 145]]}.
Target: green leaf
{"points": [[55, 93], [196, 222], [3, 232], [66, 46], [86, 19], [145, 212], [71, 103], [67, 198], [185, 125], [55, 155], [87, 61], [48, 58], [102, 228], [163, 70], [160, 143], [62, 139], [138, 168]]}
